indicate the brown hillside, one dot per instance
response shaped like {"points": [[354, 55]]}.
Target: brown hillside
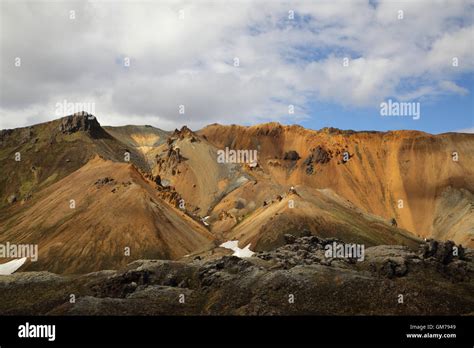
{"points": [[115, 208], [383, 168], [50, 151], [320, 212], [119, 206], [189, 164]]}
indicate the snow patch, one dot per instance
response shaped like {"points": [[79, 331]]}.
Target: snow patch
{"points": [[234, 245], [10, 267]]}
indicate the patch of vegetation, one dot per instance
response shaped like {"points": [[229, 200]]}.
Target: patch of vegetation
{"points": [[26, 187]]}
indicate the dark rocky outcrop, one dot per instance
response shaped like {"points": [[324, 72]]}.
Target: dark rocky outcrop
{"points": [[291, 156], [318, 155], [183, 133], [82, 122], [443, 252], [4, 135], [105, 181], [431, 282]]}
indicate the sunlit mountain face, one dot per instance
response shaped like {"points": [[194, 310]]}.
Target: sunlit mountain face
{"points": [[241, 158]]}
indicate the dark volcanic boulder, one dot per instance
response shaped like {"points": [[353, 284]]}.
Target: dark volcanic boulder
{"points": [[289, 238], [441, 251], [291, 156]]}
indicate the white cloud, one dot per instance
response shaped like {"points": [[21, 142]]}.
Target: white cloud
{"points": [[466, 130], [190, 61], [452, 87]]}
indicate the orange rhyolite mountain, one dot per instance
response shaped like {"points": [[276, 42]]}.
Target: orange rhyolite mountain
{"points": [[175, 198]]}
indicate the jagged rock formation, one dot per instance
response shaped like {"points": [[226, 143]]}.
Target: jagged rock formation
{"points": [[317, 155], [183, 133], [82, 122], [261, 285]]}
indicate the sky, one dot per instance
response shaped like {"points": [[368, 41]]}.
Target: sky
{"points": [[170, 63]]}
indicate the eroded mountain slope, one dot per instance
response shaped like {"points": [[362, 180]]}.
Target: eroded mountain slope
{"points": [[330, 183], [35, 157], [114, 208], [404, 175]]}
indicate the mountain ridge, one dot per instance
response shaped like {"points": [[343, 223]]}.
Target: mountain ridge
{"points": [[331, 183]]}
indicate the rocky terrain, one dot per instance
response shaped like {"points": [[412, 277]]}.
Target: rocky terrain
{"points": [[145, 210], [295, 278]]}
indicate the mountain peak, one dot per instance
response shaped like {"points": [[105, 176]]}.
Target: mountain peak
{"points": [[184, 132], [82, 122]]}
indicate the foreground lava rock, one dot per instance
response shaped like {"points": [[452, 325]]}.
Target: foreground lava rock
{"points": [[432, 281]]}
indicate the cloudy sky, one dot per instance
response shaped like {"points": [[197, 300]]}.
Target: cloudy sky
{"points": [[246, 62]]}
